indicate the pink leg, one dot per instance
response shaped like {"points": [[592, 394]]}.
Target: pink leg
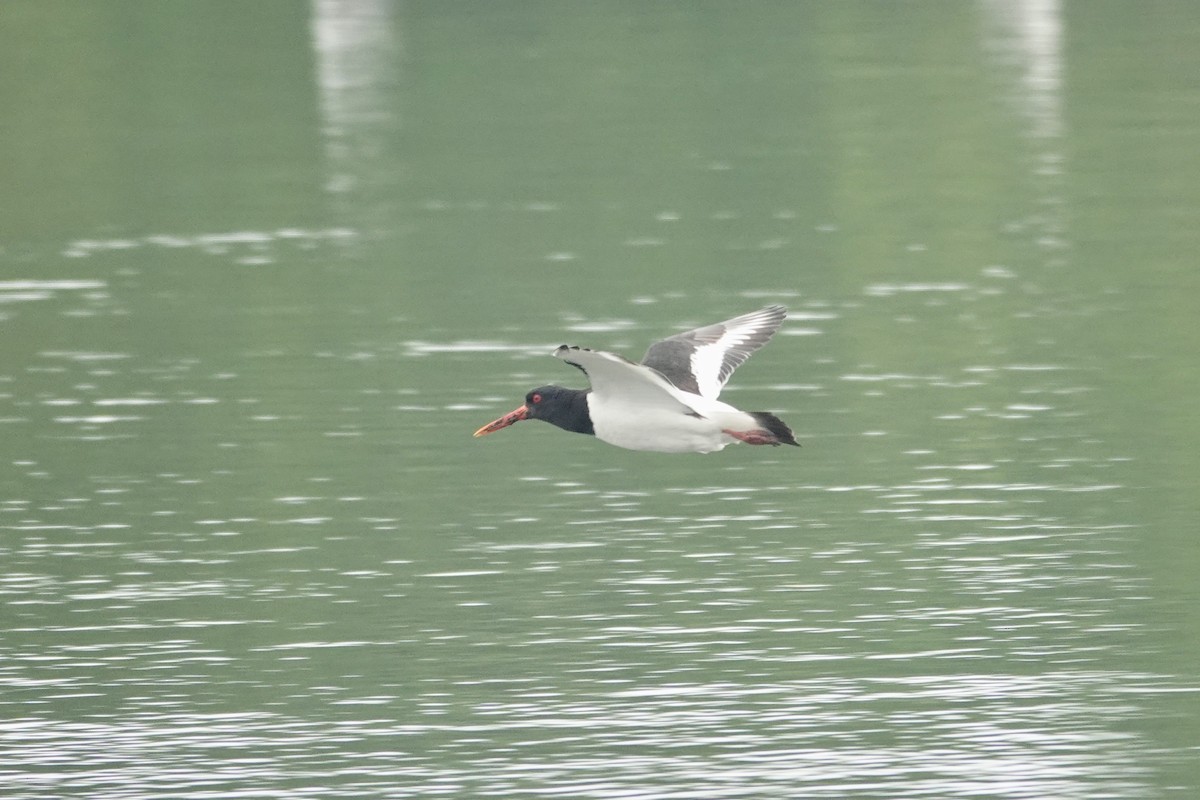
{"points": [[753, 437]]}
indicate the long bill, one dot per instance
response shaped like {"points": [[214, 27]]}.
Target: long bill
{"points": [[508, 419]]}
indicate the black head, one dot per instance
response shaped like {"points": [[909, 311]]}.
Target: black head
{"points": [[566, 408]]}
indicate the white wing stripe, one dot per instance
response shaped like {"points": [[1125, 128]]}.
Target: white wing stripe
{"points": [[707, 361], [714, 362]]}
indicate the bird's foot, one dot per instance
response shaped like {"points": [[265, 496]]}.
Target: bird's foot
{"points": [[754, 437]]}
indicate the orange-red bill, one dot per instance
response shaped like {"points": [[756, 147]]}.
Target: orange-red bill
{"points": [[508, 419]]}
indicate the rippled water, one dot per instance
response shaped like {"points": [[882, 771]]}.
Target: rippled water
{"points": [[742, 627], [941, 602], [254, 301]]}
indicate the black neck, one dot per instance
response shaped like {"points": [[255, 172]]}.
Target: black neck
{"points": [[570, 412]]}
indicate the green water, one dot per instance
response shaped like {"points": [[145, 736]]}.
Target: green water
{"points": [[264, 267]]}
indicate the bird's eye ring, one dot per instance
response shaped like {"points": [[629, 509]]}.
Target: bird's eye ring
{"points": [[537, 398]]}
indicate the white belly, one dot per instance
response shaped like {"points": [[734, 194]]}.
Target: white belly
{"points": [[664, 430]]}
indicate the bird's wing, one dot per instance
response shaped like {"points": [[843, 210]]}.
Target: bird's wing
{"points": [[617, 379], [701, 360]]}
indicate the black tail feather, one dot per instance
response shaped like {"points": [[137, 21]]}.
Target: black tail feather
{"points": [[776, 426]]}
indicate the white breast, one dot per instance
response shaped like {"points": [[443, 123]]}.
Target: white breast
{"points": [[635, 407], [664, 429]]}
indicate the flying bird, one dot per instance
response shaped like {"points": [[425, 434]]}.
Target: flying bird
{"points": [[667, 403]]}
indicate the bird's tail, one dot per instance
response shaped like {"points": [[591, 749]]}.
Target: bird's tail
{"points": [[776, 426]]}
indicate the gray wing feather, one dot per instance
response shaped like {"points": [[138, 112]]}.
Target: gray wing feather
{"points": [[673, 356]]}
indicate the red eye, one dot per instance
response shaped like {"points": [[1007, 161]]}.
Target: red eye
{"points": [[537, 398]]}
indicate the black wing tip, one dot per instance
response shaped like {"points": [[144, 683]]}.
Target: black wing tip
{"points": [[562, 349], [762, 323], [776, 311]]}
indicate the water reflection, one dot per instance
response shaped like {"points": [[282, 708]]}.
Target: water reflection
{"points": [[1027, 36], [938, 626], [1004, 735], [249, 248], [942, 627], [1026, 39], [357, 51], [250, 548]]}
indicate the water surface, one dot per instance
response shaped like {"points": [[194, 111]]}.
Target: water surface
{"points": [[256, 294]]}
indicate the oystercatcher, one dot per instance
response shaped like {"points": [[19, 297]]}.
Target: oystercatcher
{"points": [[668, 403]]}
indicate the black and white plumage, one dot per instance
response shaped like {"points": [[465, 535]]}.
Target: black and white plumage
{"points": [[700, 361], [668, 403]]}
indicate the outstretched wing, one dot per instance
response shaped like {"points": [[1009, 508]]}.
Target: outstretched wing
{"points": [[619, 381], [700, 361]]}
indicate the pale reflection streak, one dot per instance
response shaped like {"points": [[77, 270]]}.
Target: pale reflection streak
{"points": [[1026, 38], [357, 52], [246, 247], [1027, 35], [88, 393], [17, 291], [90, 297]]}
